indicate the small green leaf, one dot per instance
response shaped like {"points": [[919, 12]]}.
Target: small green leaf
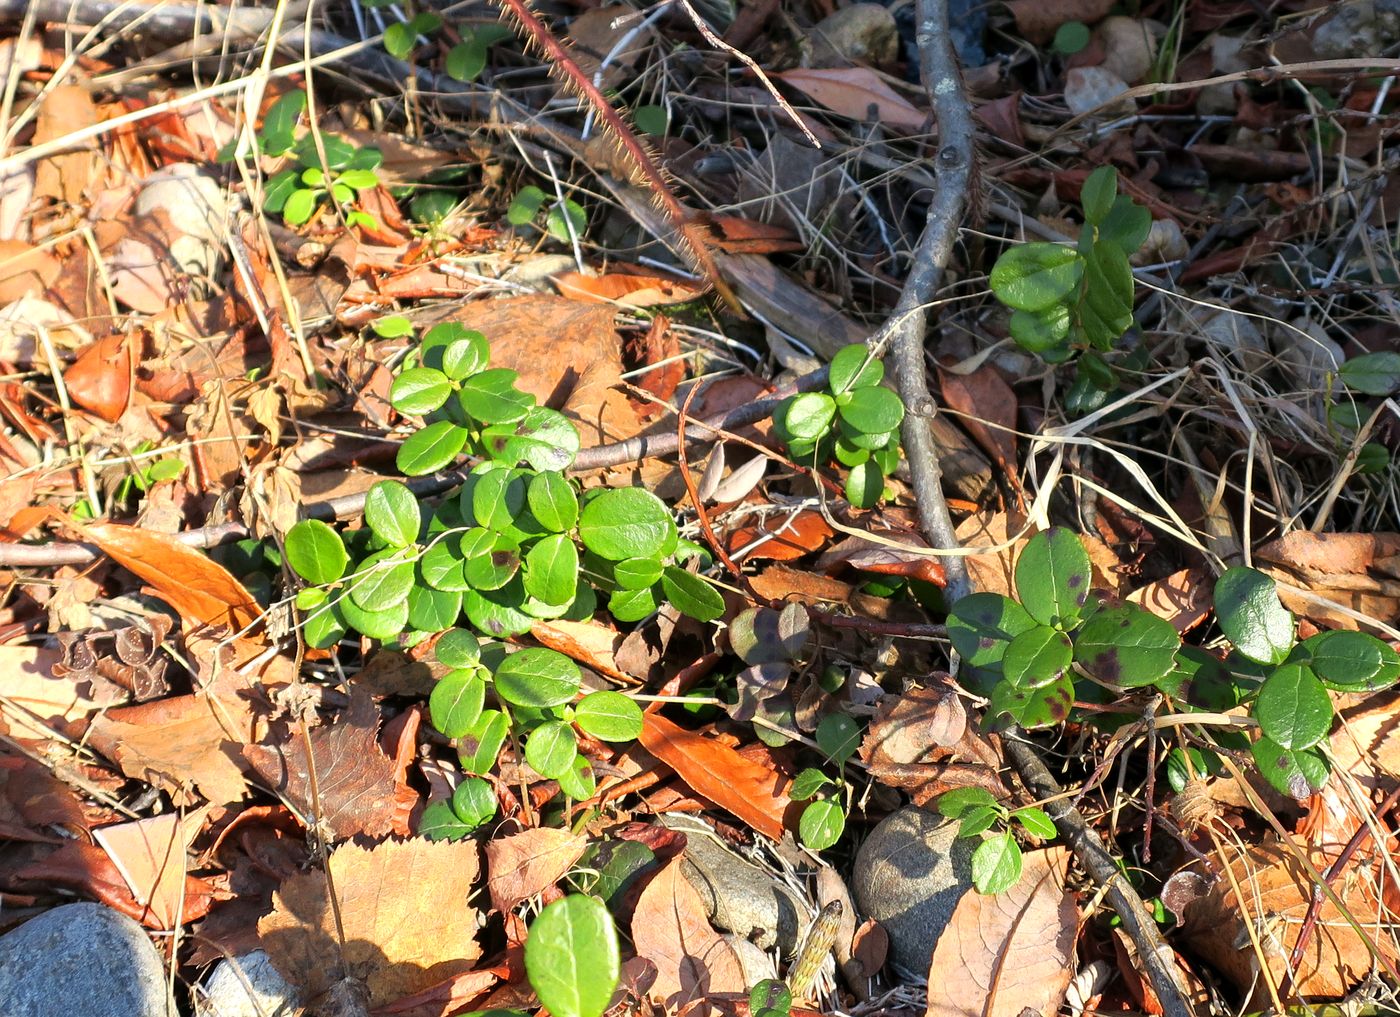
{"points": [[996, 864], [609, 715], [1052, 577], [627, 522], [1126, 226], [1036, 822], [1371, 458], [572, 957], [432, 448], [579, 783], [491, 397], [821, 825], [457, 648], [551, 749], [1040, 331], [538, 677], [1032, 277], [551, 569], [495, 562], [552, 501], [872, 410], [525, 206], [1037, 657], [465, 61], [324, 627], [383, 624], [381, 581], [478, 748], [1127, 646], [982, 625], [1032, 708], [865, 484], [544, 438], [431, 610], [637, 573], [316, 552], [279, 189], [400, 40], [1374, 374], [443, 565], [1070, 38], [299, 205], [439, 822], [419, 391], [1251, 616], [499, 498], [839, 737], [952, 804], [1352, 661], [558, 225], [359, 179], [465, 355], [632, 605], [691, 595], [456, 701], [474, 801], [977, 820], [1297, 773], [281, 120], [651, 119], [807, 783], [1098, 193], [1293, 707], [770, 994], [854, 366], [391, 510], [809, 415], [392, 326]]}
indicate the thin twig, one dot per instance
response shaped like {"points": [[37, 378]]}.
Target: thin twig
{"points": [[904, 332], [1157, 957]]}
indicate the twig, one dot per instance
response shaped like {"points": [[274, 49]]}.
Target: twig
{"points": [[1157, 956], [938, 66]]}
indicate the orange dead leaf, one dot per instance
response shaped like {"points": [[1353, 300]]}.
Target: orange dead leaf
{"points": [[151, 856], [1182, 598], [988, 406], [529, 862], [1008, 953], [786, 538], [626, 290], [100, 379], [749, 790], [1355, 570], [590, 643]]}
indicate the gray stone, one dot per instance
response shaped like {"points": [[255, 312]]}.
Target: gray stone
{"points": [[1361, 28], [860, 33], [82, 960], [1093, 90], [739, 897], [247, 986], [909, 876]]}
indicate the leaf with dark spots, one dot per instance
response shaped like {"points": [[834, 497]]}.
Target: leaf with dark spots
{"points": [[1127, 646], [1031, 708]]}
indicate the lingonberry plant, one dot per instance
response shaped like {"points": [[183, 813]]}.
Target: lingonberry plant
{"points": [[1060, 642], [996, 861]]}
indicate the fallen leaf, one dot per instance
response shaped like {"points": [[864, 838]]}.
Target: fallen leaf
{"points": [[749, 790], [591, 643], [914, 726], [988, 407], [100, 379], [404, 909], [151, 855], [65, 176], [25, 272], [670, 929], [1354, 570], [34, 695], [867, 554], [1182, 598], [851, 91], [783, 538], [1037, 20], [1003, 954], [529, 862], [626, 290], [355, 780]]}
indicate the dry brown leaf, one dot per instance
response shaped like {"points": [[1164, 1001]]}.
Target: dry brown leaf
{"points": [[1355, 570], [1277, 890], [988, 406], [408, 924], [790, 537], [915, 726], [26, 271], [1182, 598], [1005, 953], [669, 929], [150, 854], [851, 91], [1037, 20], [529, 862], [34, 695], [100, 379], [751, 791], [626, 290], [66, 176], [591, 643], [355, 780]]}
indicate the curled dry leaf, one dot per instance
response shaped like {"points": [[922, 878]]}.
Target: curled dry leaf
{"points": [[669, 929], [100, 379], [1008, 953], [914, 727], [872, 555], [403, 904], [626, 290], [1182, 598], [1354, 570], [529, 862], [988, 407]]}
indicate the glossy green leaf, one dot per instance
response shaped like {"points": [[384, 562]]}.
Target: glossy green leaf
{"points": [[609, 715], [443, 566], [439, 822], [1036, 822], [1127, 646], [1252, 617], [952, 804], [982, 625], [324, 627], [538, 677], [456, 701], [978, 820], [299, 205], [1031, 708], [551, 569], [579, 783], [478, 748], [498, 613], [1374, 374], [1070, 38], [1053, 576], [562, 219], [281, 121], [627, 522], [465, 355], [544, 438], [809, 415], [499, 498], [391, 511], [457, 648], [281, 187], [419, 390], [432, 610], [1037, 657], [865, 484], [383, 624], [474, 801], [1032, 277], [381, 581], [316, 552], [838, 736], [552, 501], [1040, 331], [572, 957], [1352, 661], [637, 573], [1127, 226], [632, 605], [430, 449], [551, 749], [821, 825], [491, 397], [1293, 707], [854, 367], [996, 864], [1098, 193], [872, 410], [359, 179], [691, 595], [465, 61], [1298, 773], [807, 784]]}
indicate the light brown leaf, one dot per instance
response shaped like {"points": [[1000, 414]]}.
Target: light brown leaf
{"points": [[1354, 570], [625, 290], [1182, 598], [150, 855], [669, 929], [529, 862], [408, 924], [851, 91], [100, 379], [1037, 20], [26, 679], [913, 727], [590, 643], [1004, 953], [750, 791]]}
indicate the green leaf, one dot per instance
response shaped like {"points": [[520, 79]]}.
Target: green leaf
{"points": [[466, 353], [359, 179], [865, 484], [466, 60], [499, 498], [491, 397], [400, 40], [1297, 773], [854, 367], [807, 783], [431, 610], [982, 625], [391, 510], [691, 595], [552, 501], [1036, 822], [279, 189], [433, 448], [977, 820], [456, 701], [637, 573], [499, 613], [478, 748], [431, 208], [381, 581], [525, 205], [952, 804], [383, 624], [338, 152], [1374, 374], [442, 566], [632, 605], [492, 561], [1032, 277], [474, 801], [457, 648], [324, 627], [609, 715], [838, 736], [392, 326], [316, 552], [1032, 708], [821, 824], [651, 119], [281, 121], [551, 749], [557, 224], [1293, 707], [1070, 38], [627, 522], [538, 677], [1040, 331], [1352, 661], [1097, 195], [809, 415], [1052, 577], [996, 864], [1127, 646], [770, 994], [551, 569], [579, 783], [1108, 293], [1371, 458], [1251, 616], [1037, 657], [419, 391], [873, 410], [299, 205], [544, 438], [572, 957], [1127, 226], [439, 822]]}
